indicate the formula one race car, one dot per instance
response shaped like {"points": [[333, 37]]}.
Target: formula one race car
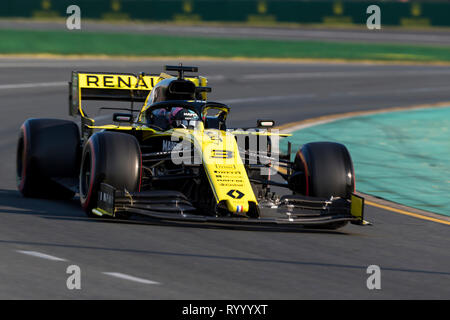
{"points": [[175, 159]]}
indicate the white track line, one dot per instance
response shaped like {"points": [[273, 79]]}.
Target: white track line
{"points": [[33, 85], [269, 98], [264, 76], [41, 255], [130, 278]]}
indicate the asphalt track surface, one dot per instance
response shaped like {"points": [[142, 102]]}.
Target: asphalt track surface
{"points": [[435, 37], [39, 239]]}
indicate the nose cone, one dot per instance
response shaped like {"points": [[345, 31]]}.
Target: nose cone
{"points": [[236, 206]]}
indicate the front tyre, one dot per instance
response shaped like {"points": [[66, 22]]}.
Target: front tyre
{"points": [[110, 157], [323, 169]]}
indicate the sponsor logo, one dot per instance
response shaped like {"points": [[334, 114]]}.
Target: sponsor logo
{"points": [[235, 194], [222, 154], [214, 136], [168, 145], [106, 198], [114, 81]]}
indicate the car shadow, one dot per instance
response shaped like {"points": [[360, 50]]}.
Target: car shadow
{"points": [[12, 202]]}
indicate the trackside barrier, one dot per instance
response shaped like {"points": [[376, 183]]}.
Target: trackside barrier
{"points": [[251, 11]]}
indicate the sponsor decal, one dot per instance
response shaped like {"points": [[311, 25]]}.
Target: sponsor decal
{"points": [[222, 154], [235, 194], [116, 81], [168, 145], [106, 198]]}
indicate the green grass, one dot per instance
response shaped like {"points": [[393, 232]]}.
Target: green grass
{"points": [[121, 44]]}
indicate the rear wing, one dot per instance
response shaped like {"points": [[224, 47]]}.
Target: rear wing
{"points": [[113, 86]]}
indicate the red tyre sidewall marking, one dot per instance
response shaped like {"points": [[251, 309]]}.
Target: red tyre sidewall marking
{"points": [[354, 179], [24, 157], [353, 174], [140, 169], [91, 182], [306, 172]]}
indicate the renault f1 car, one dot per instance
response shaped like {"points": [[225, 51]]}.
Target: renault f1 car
{"points": [[175, 158]]}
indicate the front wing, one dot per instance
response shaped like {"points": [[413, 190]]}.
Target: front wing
{"points": [[290, 210]]}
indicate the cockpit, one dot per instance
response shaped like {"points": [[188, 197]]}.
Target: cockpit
{"points": [[172, 117], [168, 115]]}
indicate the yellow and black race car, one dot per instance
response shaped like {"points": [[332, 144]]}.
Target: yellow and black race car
{"points": [[175, 159]]}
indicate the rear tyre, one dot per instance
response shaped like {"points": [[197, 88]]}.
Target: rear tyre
{"points": [[47, 150], [110, 157], [323, 169]]}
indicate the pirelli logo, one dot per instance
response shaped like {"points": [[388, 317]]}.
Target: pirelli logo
{"points": [[222, 154], [116, 81]]}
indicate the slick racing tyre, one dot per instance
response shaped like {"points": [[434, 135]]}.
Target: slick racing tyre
{"points": [[110, 157], [47, 151], [323, 169]]}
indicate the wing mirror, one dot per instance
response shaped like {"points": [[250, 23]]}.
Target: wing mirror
{"points": [[265, 123], [123, 117]]}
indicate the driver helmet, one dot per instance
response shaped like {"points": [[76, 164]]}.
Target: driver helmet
{"points": [[182, 118]]}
